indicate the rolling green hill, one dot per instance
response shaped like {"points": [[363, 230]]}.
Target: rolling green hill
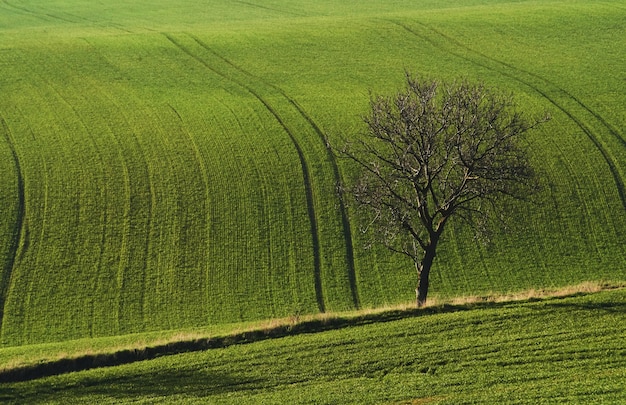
{"points": [[561, 350], [164, 166]]}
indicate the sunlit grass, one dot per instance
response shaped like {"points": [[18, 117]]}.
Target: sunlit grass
{"points": [[556, 350], [23, 356], [175, 173]]}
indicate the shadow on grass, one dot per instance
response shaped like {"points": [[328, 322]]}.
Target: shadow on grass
{"points": [[121, 357], [91, 361], [126, 385], [616, 307]]}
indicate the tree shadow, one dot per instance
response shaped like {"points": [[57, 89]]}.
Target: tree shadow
{"points": [[118, 358]]}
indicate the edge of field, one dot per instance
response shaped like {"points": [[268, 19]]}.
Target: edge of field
{"points": [[23, 363]]}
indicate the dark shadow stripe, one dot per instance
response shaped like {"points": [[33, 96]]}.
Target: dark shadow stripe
{"points": [[303, 163], [615, 173], [347, 231], [92, 361], [17, 228]]}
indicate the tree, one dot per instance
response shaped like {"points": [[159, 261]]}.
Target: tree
{"points": [[436, 151]]}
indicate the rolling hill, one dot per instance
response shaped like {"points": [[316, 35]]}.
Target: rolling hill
{"points": [[558, 350], [164, 166]]}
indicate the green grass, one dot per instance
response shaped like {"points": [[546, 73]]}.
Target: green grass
{"points": [[163, 167], [559, 350], [19, 363]]}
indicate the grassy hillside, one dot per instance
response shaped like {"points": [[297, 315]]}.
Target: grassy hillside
{"points": [[561, 350], [164, 166]]}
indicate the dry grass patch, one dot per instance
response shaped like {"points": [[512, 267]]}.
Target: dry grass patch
{"points": [[183, 341], [587, 287]]}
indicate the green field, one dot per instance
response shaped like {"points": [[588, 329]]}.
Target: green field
{"points": [[164, 166], [560, 350]]}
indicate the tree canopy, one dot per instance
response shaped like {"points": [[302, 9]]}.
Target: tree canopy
{"points": [[434, 151]]}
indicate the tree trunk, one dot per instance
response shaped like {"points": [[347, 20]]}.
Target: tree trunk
{"points": [[424, 267]]}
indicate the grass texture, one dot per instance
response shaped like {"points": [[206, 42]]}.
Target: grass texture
{"points": [[559, 350], [164, 166]]}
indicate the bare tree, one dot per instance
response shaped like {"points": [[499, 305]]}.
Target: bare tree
{"points": [[433, 152]]}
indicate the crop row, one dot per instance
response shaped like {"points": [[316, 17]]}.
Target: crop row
{"points": [[171, 174], [560, 350]]}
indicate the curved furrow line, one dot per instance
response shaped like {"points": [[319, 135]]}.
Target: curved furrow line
{"points": [[265, 218], [276, 10], [121, 224], [137, 224], [23, 10], [207, 197], [347, 230], [597, 116], [577, 186], [600, 119], [123, 159], [173, 247], [183, 195], [46, 16], [36, 216], [345, 220], [78, 19], [610, 161], [147, 227], [196, 151], [305, 170], [43, 253], [317, 262], [5, 281], [102, 194], [41, 16]]}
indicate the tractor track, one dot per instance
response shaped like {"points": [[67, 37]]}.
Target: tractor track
{"points": [[345, 221], [133, 223], [73, 19], [275, 10], [507, 70], [40, 15], [24, 11], [9, 266], [303, 163]]}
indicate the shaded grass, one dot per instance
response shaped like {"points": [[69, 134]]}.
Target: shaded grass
{"points": [[558, 350], [27, 363]]}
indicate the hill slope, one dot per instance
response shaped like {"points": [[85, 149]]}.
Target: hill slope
{"points": [[565, 350], [165, 166]]}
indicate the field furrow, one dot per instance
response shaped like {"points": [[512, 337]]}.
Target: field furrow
{"points": [[22, 10], [553, 92], [135, 253], [114, 238], [95, 206], [345, 220], [13, 214], [205, 201], [84, 229], [307, 180], [588, 122], [548, 90], [46, 16], [574, 110], [304, 167], [317, 158], [169, 166]]}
